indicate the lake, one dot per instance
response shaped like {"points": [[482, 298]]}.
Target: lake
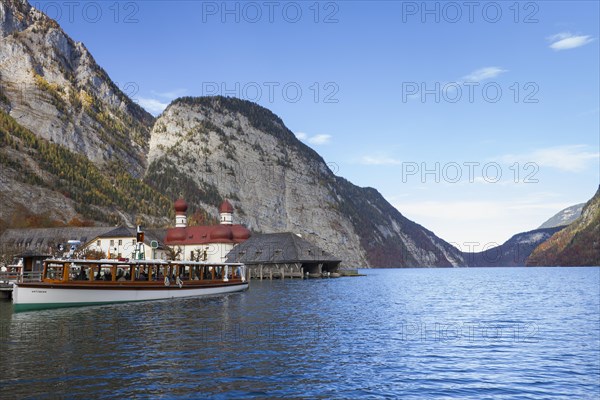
{"points": [[477, 333]]}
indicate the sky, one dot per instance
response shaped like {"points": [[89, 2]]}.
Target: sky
{"points": [[477, 120]]}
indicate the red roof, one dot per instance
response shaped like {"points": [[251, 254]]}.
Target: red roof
{"points": [[180, 206], [226, 207], [207, 234]]}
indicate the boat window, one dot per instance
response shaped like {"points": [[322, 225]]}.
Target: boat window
{"points": [[121, 275], [78, 273], [103, 273], [185, 272], [195, 273], [54, 271], [141, 273]]}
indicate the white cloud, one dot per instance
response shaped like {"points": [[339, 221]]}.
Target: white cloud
{"points": [[483, 74], [379, 160], [152, 105], [319, 139], [316, 139], [156, 106], [173, 94], [570, 158], [566, 41]]}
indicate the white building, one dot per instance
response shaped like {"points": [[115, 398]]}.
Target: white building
{"points": [[121, 242]]}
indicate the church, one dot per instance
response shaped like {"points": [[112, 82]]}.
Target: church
{"points": [[209, 243]]}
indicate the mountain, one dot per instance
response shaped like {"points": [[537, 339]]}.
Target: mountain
{"points": [[577, 244], [210, 148], [76, 151], [513, 252], [73, 144], [564, 217], [52, 86]]}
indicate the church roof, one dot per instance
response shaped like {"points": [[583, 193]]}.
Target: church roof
{"points": [[180, 206], [226, 207], [193, 235]]}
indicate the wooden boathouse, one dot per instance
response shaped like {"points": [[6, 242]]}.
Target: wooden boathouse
{"points": [[284, 255]]}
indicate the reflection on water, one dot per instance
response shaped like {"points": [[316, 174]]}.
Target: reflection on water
{"points": [[444, 333]]}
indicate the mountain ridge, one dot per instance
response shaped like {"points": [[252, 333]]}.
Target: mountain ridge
{"points": [[576, 245], [514, 252], [564, 217]]}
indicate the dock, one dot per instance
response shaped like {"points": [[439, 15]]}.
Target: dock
{"points": [[284, 255], [6, 290]]}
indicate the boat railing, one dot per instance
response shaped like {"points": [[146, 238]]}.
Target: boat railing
{"points": [[16, 274], [32, 276]]}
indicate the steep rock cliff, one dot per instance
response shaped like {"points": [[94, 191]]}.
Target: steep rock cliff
{"points": [[52, 86], [212, 148]]}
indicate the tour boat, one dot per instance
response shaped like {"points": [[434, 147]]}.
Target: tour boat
{"points": [[70, 283]]}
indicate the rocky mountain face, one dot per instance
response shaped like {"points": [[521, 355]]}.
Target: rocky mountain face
{"points": [[577, 244], [75, 148], [564, 217], [68, 132], [212, 148], [512, 253], [52, 86]]}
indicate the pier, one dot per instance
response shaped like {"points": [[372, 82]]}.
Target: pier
{"points": [[284, 255]]}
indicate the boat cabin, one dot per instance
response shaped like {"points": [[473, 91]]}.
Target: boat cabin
{"points": [[100, 272]]}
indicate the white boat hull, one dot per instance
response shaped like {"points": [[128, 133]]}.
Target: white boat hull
{"points": [[36, 297]]}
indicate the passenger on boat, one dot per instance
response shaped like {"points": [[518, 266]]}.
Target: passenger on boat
{"points": [[82, 276], [120, 276]]}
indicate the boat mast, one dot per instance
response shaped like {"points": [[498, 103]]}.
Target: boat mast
{"points": [[139, 247]]}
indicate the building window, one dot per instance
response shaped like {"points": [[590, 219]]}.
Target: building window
{"points": [[120, 242], [112, 242], [98, 243]]}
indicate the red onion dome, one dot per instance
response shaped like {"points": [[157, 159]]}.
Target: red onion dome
{"points": [[221, 232], [226, 207], [181, 206], [176, 235], [240, 233]]}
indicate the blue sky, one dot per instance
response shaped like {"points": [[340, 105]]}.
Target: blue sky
{"points": [[477, 120]]}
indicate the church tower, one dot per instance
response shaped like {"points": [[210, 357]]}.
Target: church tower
{"points": [[226, 213], [180, 213]]}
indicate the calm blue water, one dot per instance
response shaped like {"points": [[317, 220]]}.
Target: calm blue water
{"points": [[510, 333]]}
